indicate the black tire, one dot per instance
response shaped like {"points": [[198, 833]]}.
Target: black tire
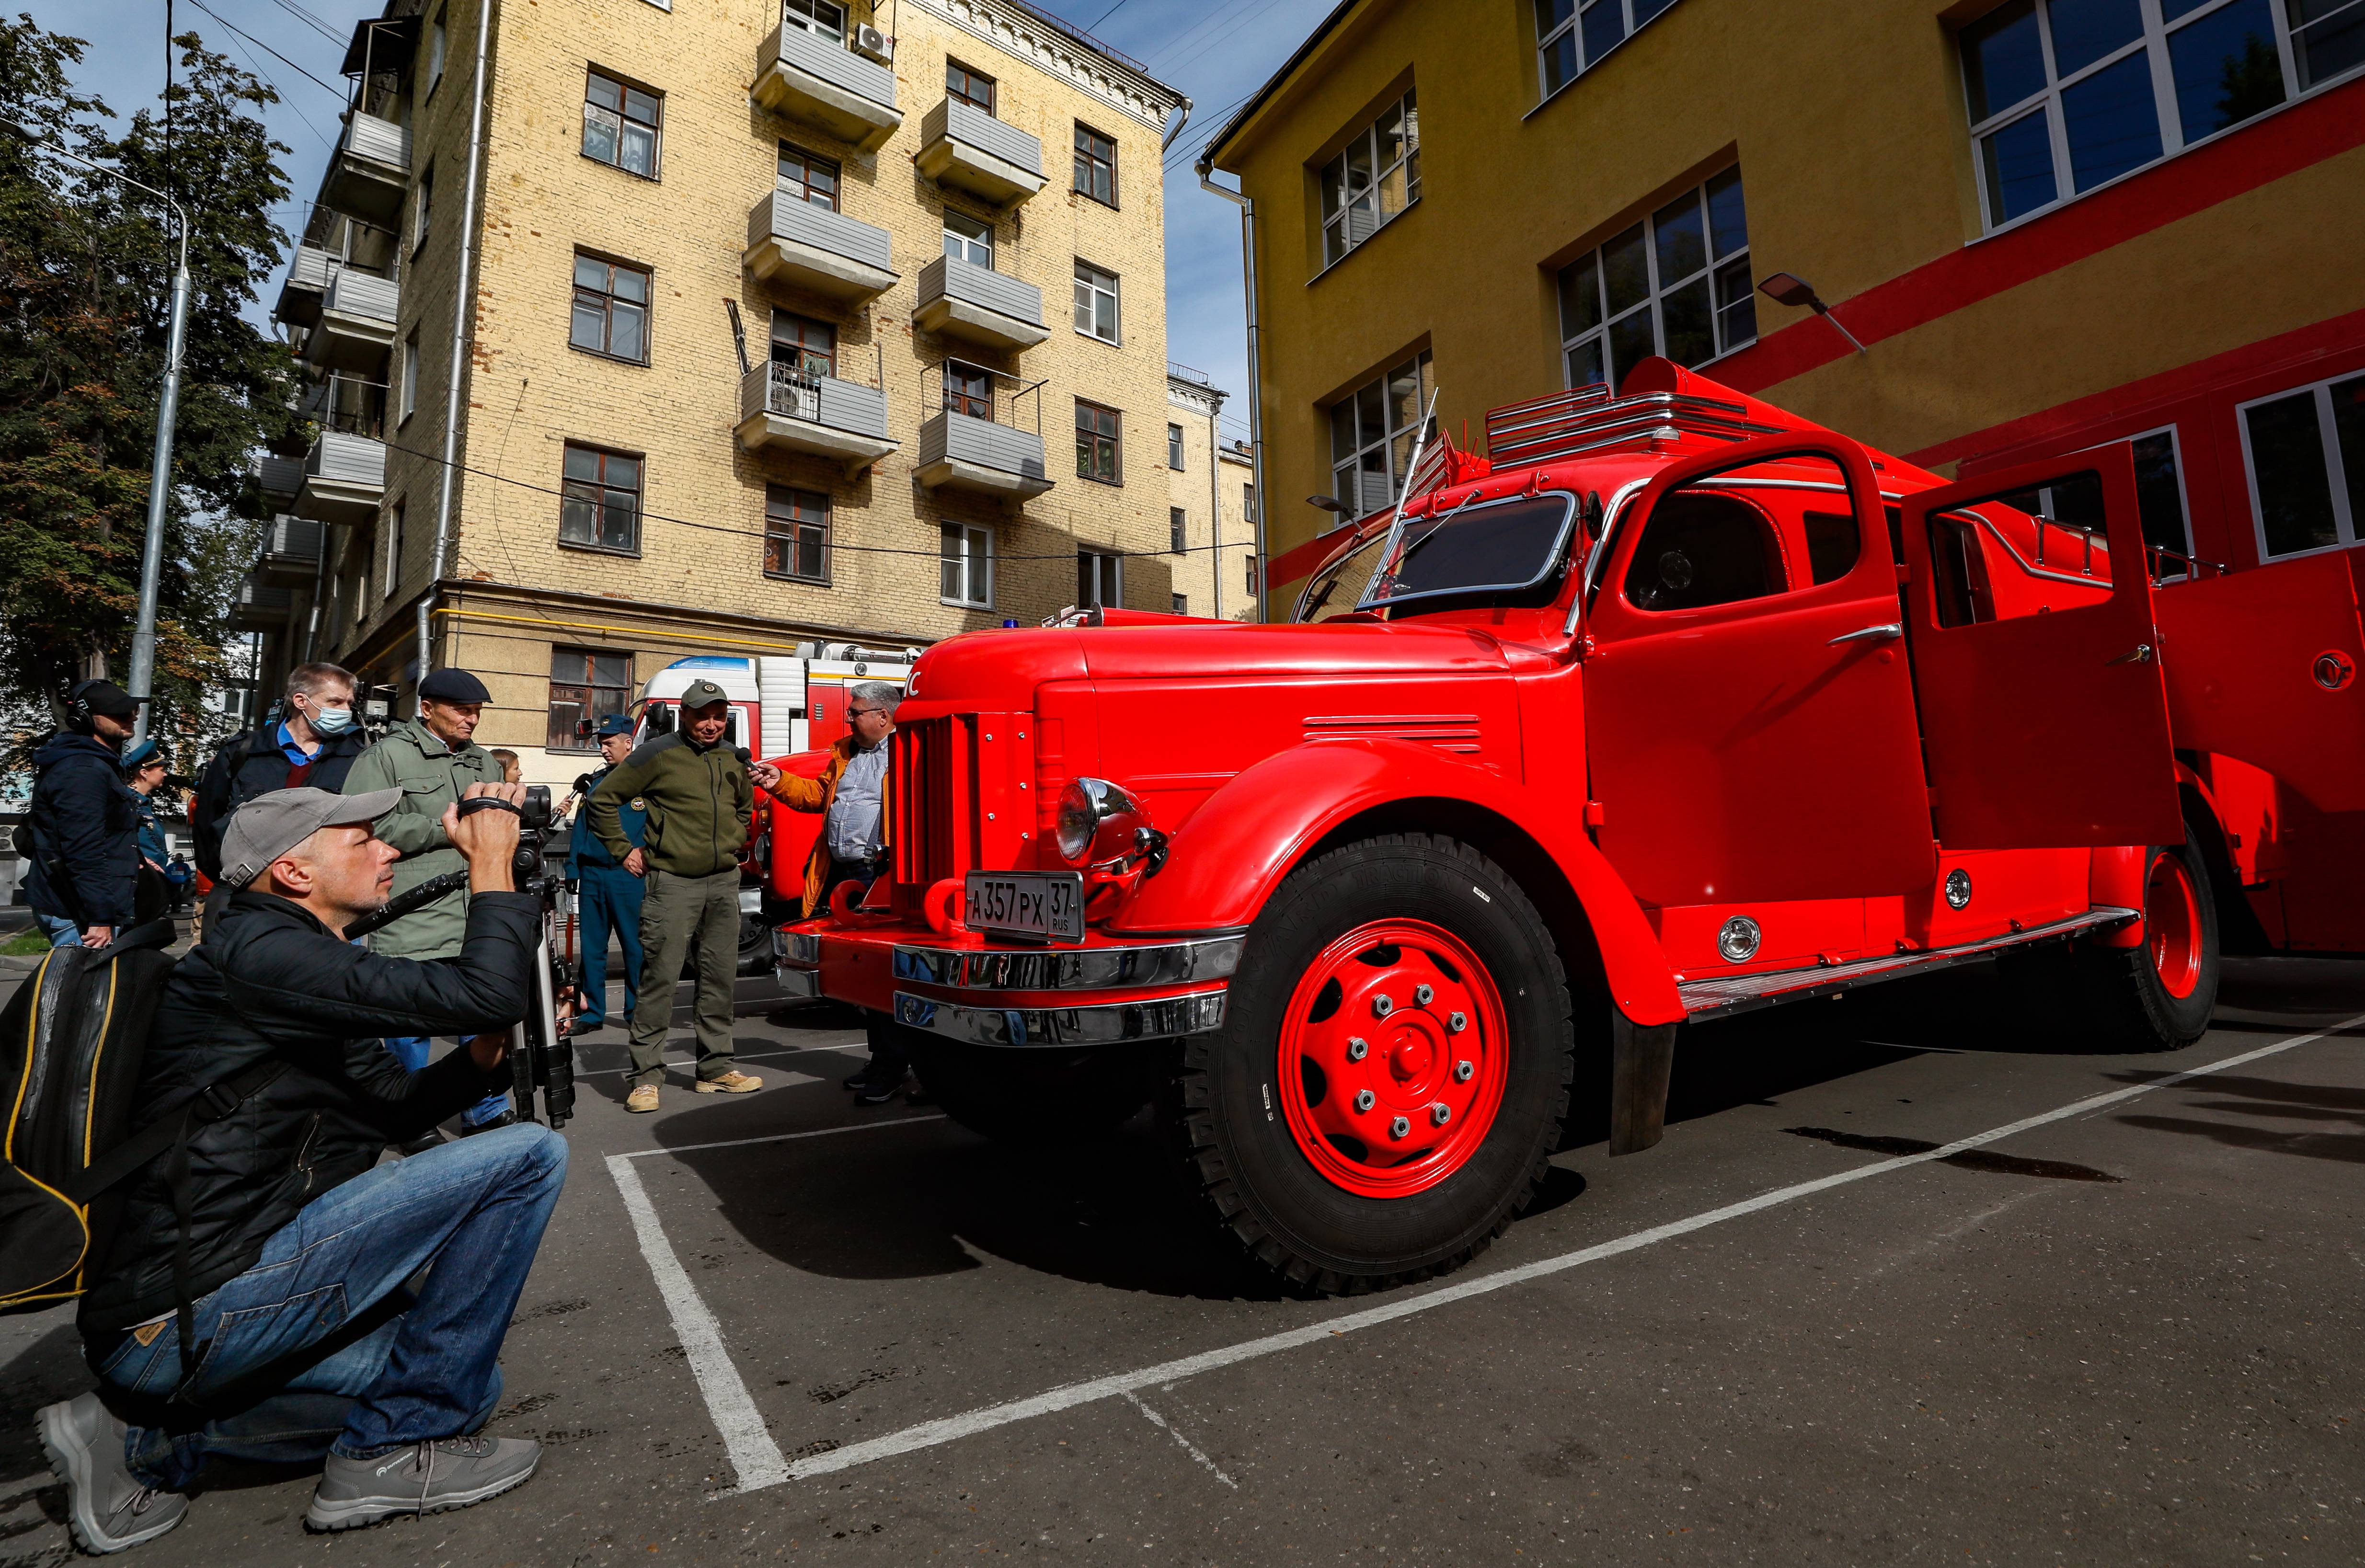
{"points": [[1040, 1098], [755, 946], [1317, 1236], [2117, 996]]}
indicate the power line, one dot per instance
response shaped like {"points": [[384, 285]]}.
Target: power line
{"points": [[267, 49], [309, 20], [1105, 16]]}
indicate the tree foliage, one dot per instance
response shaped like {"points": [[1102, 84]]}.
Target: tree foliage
{"points": [[86, 285]]}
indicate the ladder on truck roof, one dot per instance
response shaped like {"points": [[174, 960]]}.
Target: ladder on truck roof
{"points": [[1589, 419]]}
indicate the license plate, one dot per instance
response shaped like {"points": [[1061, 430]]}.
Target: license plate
{"points": [[1048, 905]]}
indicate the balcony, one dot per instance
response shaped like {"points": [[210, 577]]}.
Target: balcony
{"points": [[824, 84], [794, 244], [356, 325], [291, 552], [371, 171], [964, 147], [345, 478], [958, 452], [961, 299], [781, 409], [280, 478], [307, 279], [260, 607]]}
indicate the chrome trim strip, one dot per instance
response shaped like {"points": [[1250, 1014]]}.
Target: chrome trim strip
{"points": [[798, 982], [1043, 1028], [800, 947], [1070, 968]]}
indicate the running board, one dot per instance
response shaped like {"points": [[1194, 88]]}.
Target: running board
{"points": [[1743, 993]]}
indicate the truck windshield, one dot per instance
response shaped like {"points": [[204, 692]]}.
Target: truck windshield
{"points": [[1504, 546], [1339, 588]]}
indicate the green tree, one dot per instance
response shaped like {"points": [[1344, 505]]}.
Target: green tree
{"points": [[85, 281]]}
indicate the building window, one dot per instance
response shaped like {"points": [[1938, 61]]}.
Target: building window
{"points": [[1248, 492], [1095, 165], [1181, 604], [808, 176], [1095, 302], [612, 309], [600, 505], [1100, 579], [968, 390], [585, 685], [796, 534], [1096, 443], [1676, 283], [1370, 436], [1174, 447], [1376, 176], [2306, 453], [434, 56], [393, 551], [422, 206], [1178, 529], [819, 17], [966, 558], [969, 238], [967, 85], [1571, 40], [806, 346], [409, 396], [2064, 96], [621, 125]]}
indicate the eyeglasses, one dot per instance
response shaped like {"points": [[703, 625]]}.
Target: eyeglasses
{"points": [[863, 712]]}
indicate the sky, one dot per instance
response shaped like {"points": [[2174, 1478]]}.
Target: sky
{"points": [[1215, 51]]}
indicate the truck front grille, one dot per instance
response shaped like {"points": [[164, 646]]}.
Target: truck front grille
{"points": [[935, 791]]}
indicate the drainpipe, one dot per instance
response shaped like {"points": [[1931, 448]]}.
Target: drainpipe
{"points": [[1215, 499], [1256, 377], [460, 313]]}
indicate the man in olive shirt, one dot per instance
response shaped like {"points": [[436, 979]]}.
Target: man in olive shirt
{"points": [[700, 800]]}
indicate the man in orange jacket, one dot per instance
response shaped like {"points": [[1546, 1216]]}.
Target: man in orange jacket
{"points": [[851, 793]]}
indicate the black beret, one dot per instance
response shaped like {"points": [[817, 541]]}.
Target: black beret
{"points": [[453, 686]]}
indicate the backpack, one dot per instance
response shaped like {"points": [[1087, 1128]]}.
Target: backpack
{"points": [[72, 1041]]}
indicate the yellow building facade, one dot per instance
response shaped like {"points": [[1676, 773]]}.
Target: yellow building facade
{"points": [[776, 328], [2048, 226]]}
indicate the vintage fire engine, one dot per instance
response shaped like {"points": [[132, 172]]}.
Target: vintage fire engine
{"points": [[1671, 706]]}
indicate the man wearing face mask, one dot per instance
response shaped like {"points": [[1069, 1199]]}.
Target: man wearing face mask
{"points": [[315, 743]]}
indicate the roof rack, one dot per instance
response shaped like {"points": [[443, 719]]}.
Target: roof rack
{"points": [[1588, 419]]}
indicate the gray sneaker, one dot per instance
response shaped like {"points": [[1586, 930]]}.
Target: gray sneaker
{"points": [[425, 1478], [108, 1510]]}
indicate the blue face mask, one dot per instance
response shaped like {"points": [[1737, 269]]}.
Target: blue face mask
{"points": [[333, 721]]}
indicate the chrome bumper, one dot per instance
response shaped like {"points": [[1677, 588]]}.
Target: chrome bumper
{"points": [[1071, 969], [1114, 1023]]}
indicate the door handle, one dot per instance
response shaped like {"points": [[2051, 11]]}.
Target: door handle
{"points": [[1871, 634], [2138, 654]]}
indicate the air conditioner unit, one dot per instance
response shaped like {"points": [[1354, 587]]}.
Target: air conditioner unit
{"points": [[876, 45]]}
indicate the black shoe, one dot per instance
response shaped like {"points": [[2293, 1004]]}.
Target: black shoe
{"points": [[857, 1081], [875, 1092], [429, 1139], [918, 1094], [506, 1119]]}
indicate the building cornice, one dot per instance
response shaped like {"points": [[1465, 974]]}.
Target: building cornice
{"points": [[1184, 393], [1017, 31]]}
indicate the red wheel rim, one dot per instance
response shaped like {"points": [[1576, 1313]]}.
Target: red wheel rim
{"points": [[1393, 1051], [2172, 924]]}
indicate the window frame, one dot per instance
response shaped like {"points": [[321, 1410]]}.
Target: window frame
{"points": [[1174, 452], [1572, 28], [1655, 290], [971, 77], [1108, 569], [579, 291], [1092, 284], [964, 397], [577, 743], [791, 10], [391, 575], [1407, 163], [803, 189], [949, 238], [437, 45], [407, 380], [422, 209], [806, 353], [639, 494], [2347, 523], [622, 116], [1090, 157], [782, 543], [1178, 531], [1114, 438], [1424, 370], [975, 558]]}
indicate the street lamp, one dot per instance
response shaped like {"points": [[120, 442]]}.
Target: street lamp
{"points": [[160, 471], [1789, 288]]}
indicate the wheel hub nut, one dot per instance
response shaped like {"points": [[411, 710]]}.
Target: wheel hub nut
{"points": [[1423, 995], [1384, 1004], [1357, 1048], [1364, 1100], [1455, 1022], [1400, 1127], [1440, 1113], [1461, 1071]]}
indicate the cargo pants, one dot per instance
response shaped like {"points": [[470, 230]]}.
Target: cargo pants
{"points": [[675, 912]]}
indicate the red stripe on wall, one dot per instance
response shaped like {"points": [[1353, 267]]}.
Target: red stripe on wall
{"points": [[2306, 133]]}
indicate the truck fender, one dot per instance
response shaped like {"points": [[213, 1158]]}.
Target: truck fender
{"points": [[1228, 858], [2116, 877]]}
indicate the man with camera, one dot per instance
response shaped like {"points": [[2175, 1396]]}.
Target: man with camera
{"points": [[256, 1297], [83, 824], [608, 896]]}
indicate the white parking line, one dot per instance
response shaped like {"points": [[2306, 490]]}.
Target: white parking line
{"points": [[929, 1434], [1188, 1446], [742, 1056]]}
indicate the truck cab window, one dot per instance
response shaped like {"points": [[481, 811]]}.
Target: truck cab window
{"points": [[1702, 549], [1960, 572], [1834, 543]]}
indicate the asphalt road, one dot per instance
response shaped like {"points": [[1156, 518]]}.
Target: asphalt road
{"points": [[1807, 1329]]}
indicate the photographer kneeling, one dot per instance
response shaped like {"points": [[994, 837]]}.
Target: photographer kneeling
{"points": [[277, 1259]]}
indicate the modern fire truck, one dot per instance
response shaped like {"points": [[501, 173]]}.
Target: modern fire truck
{"points": [[1669, 706]]}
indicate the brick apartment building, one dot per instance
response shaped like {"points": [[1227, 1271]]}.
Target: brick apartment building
{"points": [[779, 328], [1209, 478]]}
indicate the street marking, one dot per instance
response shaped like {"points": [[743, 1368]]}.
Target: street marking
{"points": [[781, 1137], [929, 1434], [1188, 1446], [753, 1455], [742, 1056]]}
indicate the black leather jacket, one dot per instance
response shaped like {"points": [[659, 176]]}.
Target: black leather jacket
{"points": [[271, 982]]}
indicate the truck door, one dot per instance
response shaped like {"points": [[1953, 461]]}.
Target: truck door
{"points": [[1748, 714], [2043, 719]]}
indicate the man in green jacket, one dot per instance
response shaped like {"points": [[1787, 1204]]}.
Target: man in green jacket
{"points": [[699, 800], [433, 760]]}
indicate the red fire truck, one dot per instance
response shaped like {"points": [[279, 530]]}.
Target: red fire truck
{"points": [[1670, 706]]}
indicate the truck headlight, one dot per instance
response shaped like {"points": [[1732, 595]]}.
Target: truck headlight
{"points": [[1097, 821]]}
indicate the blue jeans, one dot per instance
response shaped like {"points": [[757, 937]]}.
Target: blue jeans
{"points": [[412, 1051], [62, 933], [608, 898], [320, 1348]]}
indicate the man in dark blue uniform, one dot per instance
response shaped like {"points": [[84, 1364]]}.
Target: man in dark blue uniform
{"points": [[607, 897], [84, 821]]}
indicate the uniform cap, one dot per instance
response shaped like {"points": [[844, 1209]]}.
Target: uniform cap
{"points": [[270, 825], [142, 755], [616, 724], [701, 693], [453, 686]]}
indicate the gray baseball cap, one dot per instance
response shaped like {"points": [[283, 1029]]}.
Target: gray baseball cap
{"points": [[270, 825], [700, 693]]}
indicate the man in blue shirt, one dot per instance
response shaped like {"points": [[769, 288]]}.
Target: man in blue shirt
{"points": [[607, 897], [314, 745]]}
